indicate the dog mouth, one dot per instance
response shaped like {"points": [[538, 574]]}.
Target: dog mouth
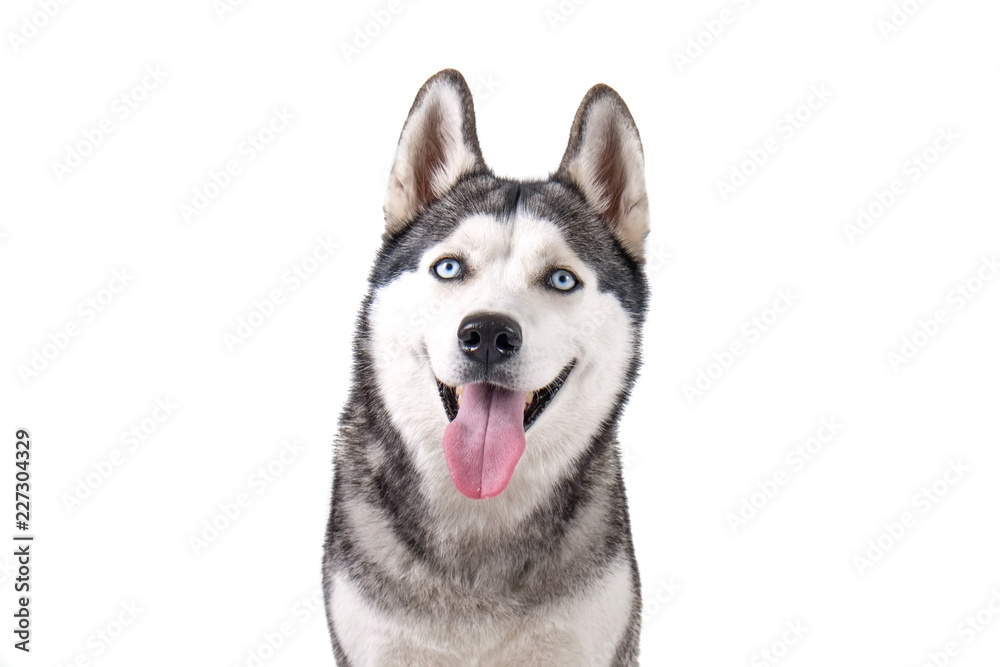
{"points": [[535, 402], [484, 438]]}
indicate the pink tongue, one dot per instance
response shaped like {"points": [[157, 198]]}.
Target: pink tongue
{"points": [[486, 440]]}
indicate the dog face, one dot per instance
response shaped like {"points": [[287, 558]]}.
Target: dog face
{"points": [[503, 322]]}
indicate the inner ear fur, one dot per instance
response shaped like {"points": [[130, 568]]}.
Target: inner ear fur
{"points": [[437, 147], [604, 160]]}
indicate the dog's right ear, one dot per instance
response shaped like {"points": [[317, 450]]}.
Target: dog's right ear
{"points": [[438, 146], [604, 160]]}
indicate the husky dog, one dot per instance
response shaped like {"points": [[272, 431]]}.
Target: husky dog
{"points": [[479, 514]]}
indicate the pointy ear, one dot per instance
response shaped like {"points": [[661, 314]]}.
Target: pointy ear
{"points": [[438, 146], [604, 160]]}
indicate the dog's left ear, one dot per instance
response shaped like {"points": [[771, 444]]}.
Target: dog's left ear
{"points": [[604, 160], [438, 146]]}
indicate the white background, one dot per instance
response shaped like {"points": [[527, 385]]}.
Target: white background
{"points": [[714, 595]]}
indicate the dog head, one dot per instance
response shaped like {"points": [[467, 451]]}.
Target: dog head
{"points": [[504, 317]]}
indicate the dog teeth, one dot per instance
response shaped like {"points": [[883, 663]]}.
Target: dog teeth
{"points": [[458, 394], [529, 400]]}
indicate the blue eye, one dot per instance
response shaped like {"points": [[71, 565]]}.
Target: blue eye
{"points": [[448, 268], [562, 279]]}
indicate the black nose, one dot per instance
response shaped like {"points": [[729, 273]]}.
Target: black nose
{"points": [[489, 338]]}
